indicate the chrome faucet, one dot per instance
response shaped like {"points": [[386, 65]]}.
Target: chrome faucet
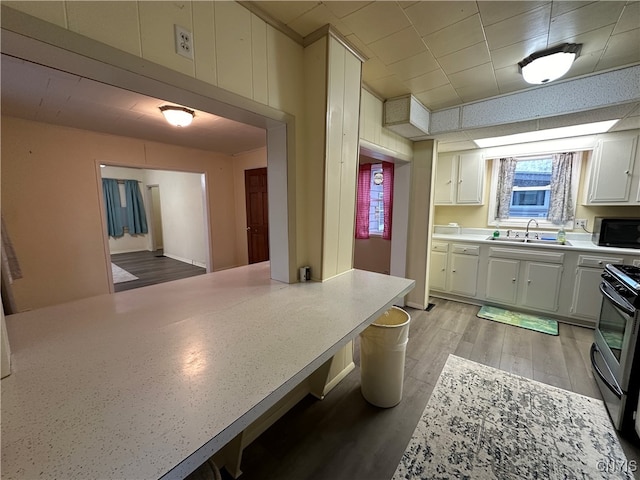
{"points": [[526, 234]]}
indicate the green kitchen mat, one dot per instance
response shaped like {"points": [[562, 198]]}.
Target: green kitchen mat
{"points": [[523, 320]]}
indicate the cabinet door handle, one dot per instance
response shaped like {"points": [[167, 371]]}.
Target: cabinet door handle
{"points": [[448, 182], [529, 281], [459, 181], [627, 172], [513, 280], [453, 271]]}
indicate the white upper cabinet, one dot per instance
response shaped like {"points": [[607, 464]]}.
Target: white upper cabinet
{"points": [[445, 174], [615, 171], [459, 179]]}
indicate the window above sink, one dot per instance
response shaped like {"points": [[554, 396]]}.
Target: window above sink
{"points": [[528, 190]]}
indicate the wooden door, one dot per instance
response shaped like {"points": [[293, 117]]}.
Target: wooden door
{"points": [[255, 184]]}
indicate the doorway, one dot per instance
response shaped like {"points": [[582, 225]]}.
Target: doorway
{"points": [[175, 245], [257, 203]]}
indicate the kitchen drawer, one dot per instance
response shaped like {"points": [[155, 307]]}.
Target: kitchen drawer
{"points": [[597, 262], [465, 249], [440, 247]]}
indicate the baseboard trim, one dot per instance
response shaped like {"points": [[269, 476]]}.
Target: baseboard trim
{"points": [[185, 260]]}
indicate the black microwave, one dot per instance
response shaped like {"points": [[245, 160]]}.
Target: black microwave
{"points": [[616, 232]]}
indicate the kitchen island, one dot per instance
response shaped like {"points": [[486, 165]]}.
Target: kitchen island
{"points": [[150, 383]]}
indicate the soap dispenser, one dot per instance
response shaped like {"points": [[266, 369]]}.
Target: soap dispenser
{"points": [[496, 232], [562, 236]]}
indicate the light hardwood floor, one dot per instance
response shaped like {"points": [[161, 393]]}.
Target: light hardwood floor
{"points": [[344, 438]]}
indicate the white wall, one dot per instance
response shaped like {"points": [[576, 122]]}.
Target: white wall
{"points": [[183, 217]]}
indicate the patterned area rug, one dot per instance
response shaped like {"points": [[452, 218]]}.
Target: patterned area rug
{"points": [[483, 423], [120, 275], [518, 319]]}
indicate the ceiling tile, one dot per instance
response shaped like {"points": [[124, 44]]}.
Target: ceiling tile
{"points": [[510, 80], [438, 98], [527, 25], [585, 63], [455, 37], [407, 4], [482, 74], [398, 46], [559, 8], [344, 8], [591, 41], [414, 66], [374, 69], [359, 45], [630, 18], [477, 91], [494, 12], [466, 58], [286, 12], [429, 17], [315, 18], [512, 54], [428, 81], [585, 19], [622, 49], [377, 20], [388, 87]]}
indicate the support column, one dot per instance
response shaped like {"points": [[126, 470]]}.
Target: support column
{"points": [[420, 221]]}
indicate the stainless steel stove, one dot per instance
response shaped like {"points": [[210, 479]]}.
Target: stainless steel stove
{"points": [[614, 354]]}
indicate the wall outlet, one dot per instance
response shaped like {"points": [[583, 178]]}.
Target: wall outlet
{"points": [[581, 223], [184, 42]]}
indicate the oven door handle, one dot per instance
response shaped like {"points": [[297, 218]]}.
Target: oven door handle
{"points": [[613, 298], [614, 388]]}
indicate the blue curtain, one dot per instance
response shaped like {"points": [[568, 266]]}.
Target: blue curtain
{"points": [[113, 206], [136, 216]]}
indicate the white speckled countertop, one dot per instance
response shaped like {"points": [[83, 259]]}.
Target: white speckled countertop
{"points": [[149, 383], [578, 241]]}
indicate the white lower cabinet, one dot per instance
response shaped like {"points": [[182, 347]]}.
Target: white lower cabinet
{"points": [[541, 286], [561, 282], [464, 274], [587, 299], [502, 280], [438, 266], [528, 279], [454, 268]]}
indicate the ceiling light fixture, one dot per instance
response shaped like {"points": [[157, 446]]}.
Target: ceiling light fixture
{"points": [[177, 116], [548, 134], [550, 64]]}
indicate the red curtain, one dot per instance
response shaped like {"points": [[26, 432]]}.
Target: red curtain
{"points": [[364, 201], [387, 198]]}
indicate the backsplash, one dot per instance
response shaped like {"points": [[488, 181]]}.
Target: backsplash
{"points": [[476, 216]]}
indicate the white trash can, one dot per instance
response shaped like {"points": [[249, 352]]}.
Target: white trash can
{"points": [[383, 346]]}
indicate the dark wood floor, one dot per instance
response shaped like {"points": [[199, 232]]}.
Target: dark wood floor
{"points": [[152, 268], [344, 438]]}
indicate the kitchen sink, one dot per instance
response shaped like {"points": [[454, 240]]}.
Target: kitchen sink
{"points": [[522, 240]]}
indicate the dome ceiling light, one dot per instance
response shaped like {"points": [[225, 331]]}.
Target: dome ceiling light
{"points": [[550, 64], [177, 116]]}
